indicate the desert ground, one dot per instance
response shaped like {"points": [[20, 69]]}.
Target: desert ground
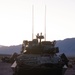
{"points": [[5, 68]]}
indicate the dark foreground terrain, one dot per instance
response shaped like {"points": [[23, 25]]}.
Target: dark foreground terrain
{"points": [[70, 71], [5, 69]]}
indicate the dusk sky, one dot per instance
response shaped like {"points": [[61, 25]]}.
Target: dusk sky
{"points": [[16, 20]]}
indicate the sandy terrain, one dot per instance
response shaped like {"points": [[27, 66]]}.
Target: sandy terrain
{"points": [[5, 69], [70, 71]]}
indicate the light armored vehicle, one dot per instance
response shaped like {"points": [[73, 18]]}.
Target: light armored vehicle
{"points": [[40, 57]]}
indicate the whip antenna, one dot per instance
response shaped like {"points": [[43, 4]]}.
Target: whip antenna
{"points": [[32, 22], [45, 23]]}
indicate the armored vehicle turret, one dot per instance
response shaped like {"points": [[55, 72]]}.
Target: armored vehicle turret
{"points": [[39, 57]]}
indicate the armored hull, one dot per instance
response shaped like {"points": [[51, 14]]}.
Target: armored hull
{"points": [[38, 58], [38, 64], [40, 71]]}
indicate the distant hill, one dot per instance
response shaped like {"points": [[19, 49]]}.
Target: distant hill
{"points": [[10, 49], [66, 46]]}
